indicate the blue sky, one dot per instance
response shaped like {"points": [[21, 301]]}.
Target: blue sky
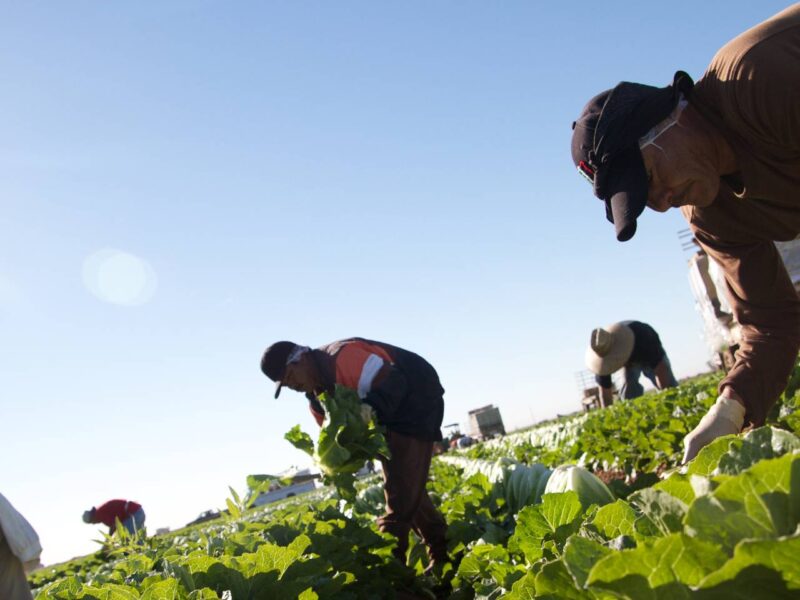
{"points": [[183, 183]]}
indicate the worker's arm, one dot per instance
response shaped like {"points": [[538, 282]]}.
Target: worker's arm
{"points": [[767, 307], [317, 411], [607, 395], [606, 385], [664, 377], [387, 392], [31, 565]]}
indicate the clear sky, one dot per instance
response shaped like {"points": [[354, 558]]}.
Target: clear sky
{"points": [[184, 182]]}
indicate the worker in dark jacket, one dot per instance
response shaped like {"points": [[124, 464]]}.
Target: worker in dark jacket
{"points": [[404, 392], [129, 513], [631, 345]]}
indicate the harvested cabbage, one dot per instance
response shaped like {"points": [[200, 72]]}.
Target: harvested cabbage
{"points": [[524, 485], [345, 441], [589, 488]]}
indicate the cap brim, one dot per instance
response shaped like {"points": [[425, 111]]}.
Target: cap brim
{"points": [[626, 190], [278, 389]]}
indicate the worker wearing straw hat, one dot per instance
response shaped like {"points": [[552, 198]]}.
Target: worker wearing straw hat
{"points": [[631, 345]]}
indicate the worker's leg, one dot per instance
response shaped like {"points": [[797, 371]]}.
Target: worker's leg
{"points": [[13, 583], [138, 519], [134, 522], [129, 525], [651, 375], [405, 476], [664, 370], [430, 526], [662, 376], [631, 388]]}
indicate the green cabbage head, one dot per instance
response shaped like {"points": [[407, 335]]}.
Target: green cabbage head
{"points": [[589, 488], [345, 441]]}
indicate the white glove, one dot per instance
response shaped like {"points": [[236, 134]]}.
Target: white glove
{"points": [[366, 412], [725, 417]]}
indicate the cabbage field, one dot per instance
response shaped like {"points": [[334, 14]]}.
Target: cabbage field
{"points": [[592, 506]]}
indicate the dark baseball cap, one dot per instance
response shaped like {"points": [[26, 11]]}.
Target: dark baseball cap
{"points": [[273, 362], [605, 145]]}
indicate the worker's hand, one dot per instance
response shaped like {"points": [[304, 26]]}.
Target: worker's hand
{"points": [[725, 417], [31, 565], [366, 412]]}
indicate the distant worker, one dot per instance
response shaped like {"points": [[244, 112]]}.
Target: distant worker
{"points": [[634, 346], [403, 392], [129, 513], [724, 151], [19, 551], [465, 441]]}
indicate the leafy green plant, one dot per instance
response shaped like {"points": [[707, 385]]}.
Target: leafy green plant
{"points": [[346, 442], [570, 478], [727, 525]]}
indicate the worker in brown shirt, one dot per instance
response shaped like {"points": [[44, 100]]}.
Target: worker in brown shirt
{"points": [[727, 152]]}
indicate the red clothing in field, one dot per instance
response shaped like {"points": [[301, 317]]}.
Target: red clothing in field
{"points": [[114, 509]]}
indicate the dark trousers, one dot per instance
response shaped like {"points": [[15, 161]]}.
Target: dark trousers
{"points": [[408, 505], [633, 389]]}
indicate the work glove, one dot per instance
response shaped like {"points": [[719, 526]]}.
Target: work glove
{"points": [[366, 412], [725, 417]]}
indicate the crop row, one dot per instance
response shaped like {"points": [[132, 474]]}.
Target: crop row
{"points": [[725, 526]]}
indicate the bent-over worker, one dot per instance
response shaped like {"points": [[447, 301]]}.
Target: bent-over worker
{"points": [[404, 392], [634, 346], [726, 151], [129, 513]]}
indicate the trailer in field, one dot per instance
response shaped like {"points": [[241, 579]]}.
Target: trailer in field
{"points": [[485, 422]]}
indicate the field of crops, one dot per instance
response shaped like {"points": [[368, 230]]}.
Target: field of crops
{"points": [[725, 526]]}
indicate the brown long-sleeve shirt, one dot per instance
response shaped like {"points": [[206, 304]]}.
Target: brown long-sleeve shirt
{"points": [[751, 92]]}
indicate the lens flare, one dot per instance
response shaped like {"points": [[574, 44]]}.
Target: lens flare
{"points": [[119, 277]]}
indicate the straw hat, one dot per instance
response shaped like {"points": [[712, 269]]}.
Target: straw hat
{"points": [[609, 349]]}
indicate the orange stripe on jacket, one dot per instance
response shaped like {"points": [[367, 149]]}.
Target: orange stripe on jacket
{"points": [[350, 362]]}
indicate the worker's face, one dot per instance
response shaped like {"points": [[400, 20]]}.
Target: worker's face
{"points": [[679, 174], [301, 375]]}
